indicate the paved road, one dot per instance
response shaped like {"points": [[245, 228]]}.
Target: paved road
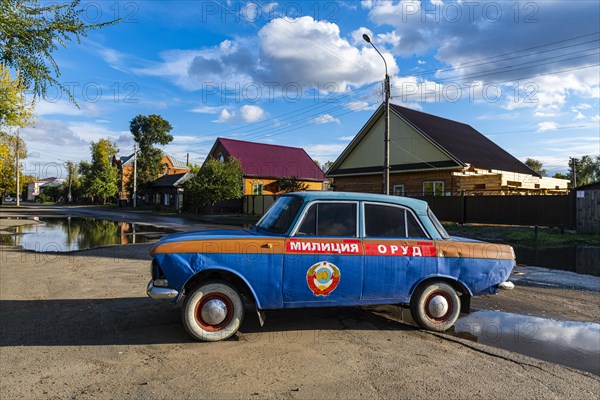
{"points": [[145, 217]]}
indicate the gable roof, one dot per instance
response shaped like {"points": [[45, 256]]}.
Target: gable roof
{"points": [[460, 141], [173, 180], [128, 160], [271, 161]]}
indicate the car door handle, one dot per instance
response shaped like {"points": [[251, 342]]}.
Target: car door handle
{"points": [[267, 246]]}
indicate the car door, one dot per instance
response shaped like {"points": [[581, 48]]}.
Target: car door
{"points": [[398, 252], [324, 257]]}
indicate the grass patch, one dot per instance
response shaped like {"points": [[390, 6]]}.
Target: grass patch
{"points": [[522, 235]]}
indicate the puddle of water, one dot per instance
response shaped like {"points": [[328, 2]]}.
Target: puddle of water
{"points": [[74, 233], [579, 259], [574, 344]]}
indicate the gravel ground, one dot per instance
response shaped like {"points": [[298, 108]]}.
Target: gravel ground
{"points": [[79, 325]]}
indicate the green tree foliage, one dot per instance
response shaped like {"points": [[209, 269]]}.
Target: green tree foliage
{"points": [[8, 150], [290, 184], [536, 165], [214, 182], [149, 131], [15, 111], [558, 175], [326, 165], [72, 184], [587, 170], [85, 179], [104, 176], [30, 31]]}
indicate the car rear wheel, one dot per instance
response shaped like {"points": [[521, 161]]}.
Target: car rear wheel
{"points": [[435, 306], [212, 311]]}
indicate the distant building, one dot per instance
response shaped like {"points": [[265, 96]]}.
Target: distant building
{"points": [[125, 164], [433, 156], [263, 164], [167, 191], [34, 189]]}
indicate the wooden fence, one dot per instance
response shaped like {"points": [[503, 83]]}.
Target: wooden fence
{"points": [[506, 210], [588, 211]]}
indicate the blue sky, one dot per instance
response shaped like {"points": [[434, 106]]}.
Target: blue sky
{"points": [[526, 74]]}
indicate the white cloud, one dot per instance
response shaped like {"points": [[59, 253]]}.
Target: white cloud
{"points": [[318, 55], [325, 152], [361, 106], [207, 110], [225, 116], [252, 113], [66, 108], [547, 126], [325, 119], [357, 36], [346, 138], [54, 132], [389, 38]]}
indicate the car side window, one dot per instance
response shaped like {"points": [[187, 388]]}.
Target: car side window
{"points": [[388, 221], [329, 219]]}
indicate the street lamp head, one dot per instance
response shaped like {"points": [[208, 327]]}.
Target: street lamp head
{"points": [[367, 38]]}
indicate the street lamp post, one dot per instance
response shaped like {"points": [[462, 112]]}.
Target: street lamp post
{"points": [[386, 134]]}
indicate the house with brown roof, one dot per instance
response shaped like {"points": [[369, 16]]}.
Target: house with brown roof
{"points": [[263, 164], [125, 164], [431, 155]]}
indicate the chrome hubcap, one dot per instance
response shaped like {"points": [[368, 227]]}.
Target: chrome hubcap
{"points": [[438, 306], [214, 312]]}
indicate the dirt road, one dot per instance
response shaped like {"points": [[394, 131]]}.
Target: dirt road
{"points": [[80, 326]]}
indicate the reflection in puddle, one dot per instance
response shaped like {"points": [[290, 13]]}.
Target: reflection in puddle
{"points": [[70, 234], [574, 344]]}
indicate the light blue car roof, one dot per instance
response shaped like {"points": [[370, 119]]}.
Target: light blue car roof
{"points": [[419, 206]]}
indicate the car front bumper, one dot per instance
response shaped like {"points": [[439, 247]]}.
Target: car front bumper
{"points": [[160, 293]]}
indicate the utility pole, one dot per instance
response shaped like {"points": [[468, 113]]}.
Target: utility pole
{"points": [[574, 172], [187, 160], [386, 140], [134, 176], [17, 169]]}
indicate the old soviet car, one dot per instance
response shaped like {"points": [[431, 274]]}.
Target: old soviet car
{"points": [[320, 249]]}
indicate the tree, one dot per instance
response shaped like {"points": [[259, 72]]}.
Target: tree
{"points": [[8, 149], [30, 32], [72, 182], [104, 176], [290, 184], [587, 170], [15, 111], [559, 175], [148, 131], [536, 166], [214, 182], [85, 178]]}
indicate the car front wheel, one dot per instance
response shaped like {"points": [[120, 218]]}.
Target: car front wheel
{"points": [[212, 312], [435, 306]]}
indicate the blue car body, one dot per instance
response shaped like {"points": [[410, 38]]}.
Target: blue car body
{"points": [[279, 265]]}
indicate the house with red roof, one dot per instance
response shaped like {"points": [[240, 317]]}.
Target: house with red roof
{"points": [[263, 164]]}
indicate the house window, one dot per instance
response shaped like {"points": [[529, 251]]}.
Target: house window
{"points": [[165, 169], [398, 190], [257, 189], [433, 188], [167, 199], [220, 157]]}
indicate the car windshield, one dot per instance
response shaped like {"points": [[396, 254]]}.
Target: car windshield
{"points": [[281, 215], [437, 224]]}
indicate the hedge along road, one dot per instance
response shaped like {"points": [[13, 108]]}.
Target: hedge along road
{"points": [[79, 325]]}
